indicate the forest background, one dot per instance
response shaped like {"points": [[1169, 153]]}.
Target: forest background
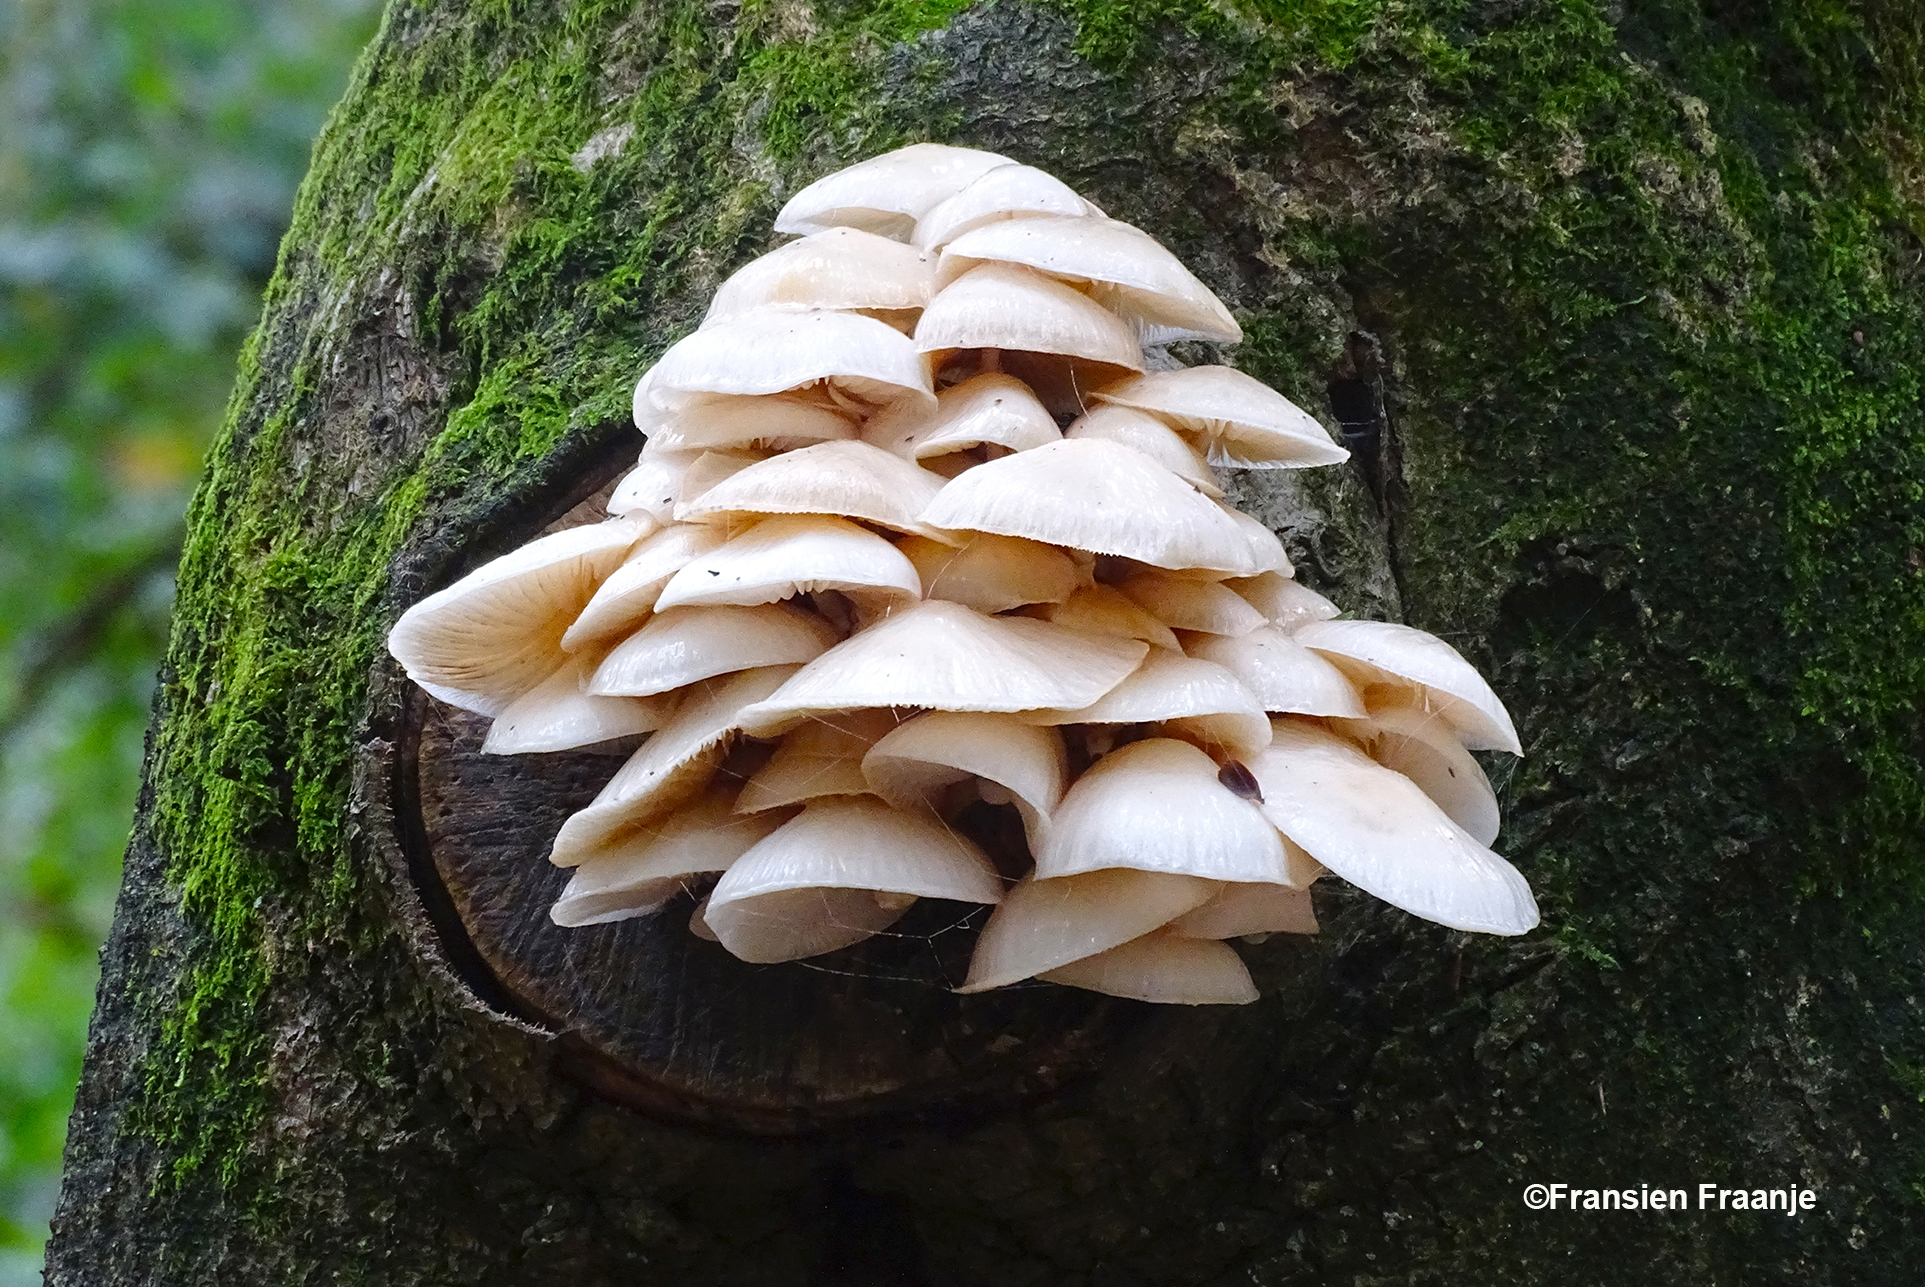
{"points": [[149, 153]]}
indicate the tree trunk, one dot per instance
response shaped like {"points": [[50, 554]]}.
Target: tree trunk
{"points": [[1620, 305]]}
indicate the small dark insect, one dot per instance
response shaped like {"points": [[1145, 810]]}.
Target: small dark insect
{"points": [[1236, 776]]}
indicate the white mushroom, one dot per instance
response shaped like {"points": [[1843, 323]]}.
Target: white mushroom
{"points": [[1244, 422], [1244, 909], [637, 875], [1147, 434], [914, 765], [1284, 676], [796, 554], [943, 656], [1163, 967], [778, 352], [1195, 699], [496, 633], [993, 573], [1286, 603], [846, 479], [1105, 610], [1376, 829], [1125, 269], [1186, 603], [1007, 307], [837, 268], [680, 646], [1097, 496], [1006, 192], [845, 868], [886, 194], [1421, 670], [628, 596], [822, 757], [991, 409], [1044, 924], [1424, 748], [734, 421], [557, 715]]}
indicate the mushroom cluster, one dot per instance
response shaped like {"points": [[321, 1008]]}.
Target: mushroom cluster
{"points": [[916, 541]]}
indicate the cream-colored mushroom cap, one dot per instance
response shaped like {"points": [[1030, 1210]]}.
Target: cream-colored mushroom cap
{"points": [[651, 489], [1246, 423], [1376, 829], [1156, 805], [845, 479], [1257, 908], [679, 646], [1283, 675], [943, 656], [1266, 547], [1127, 271], [821, 757], [1165, 968], [795, 554], [496, 633], [1201, 701], [1006, 192], [992, 573], [1424, 748], [673, 765], [725, 421], [1105, 610], [1044, 924], [1287, 604], [1098, 496], [1185, 603], [887, 194], [1004, 306], [647, 869], [837, 268], [629, 595], [1383, 652], [845, 868], [989, 409], [777, 352], [913, 765], [556, 715], [1147, 434]]}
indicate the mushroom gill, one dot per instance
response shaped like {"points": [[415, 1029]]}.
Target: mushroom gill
{"points": [[919, 530]]}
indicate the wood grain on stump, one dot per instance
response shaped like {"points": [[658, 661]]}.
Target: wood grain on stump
{"points": [[652, 1015]]}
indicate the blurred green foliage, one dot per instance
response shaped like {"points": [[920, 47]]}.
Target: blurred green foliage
{"points": [[149, 152]]}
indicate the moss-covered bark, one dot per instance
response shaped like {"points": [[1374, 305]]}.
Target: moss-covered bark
{"points": [[1648, 285]]}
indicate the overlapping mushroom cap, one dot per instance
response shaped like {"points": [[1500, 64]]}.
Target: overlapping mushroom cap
{"points": [[920, 536]]}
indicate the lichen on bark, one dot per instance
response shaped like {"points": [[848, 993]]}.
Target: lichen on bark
{"points": [[1646, 278]]}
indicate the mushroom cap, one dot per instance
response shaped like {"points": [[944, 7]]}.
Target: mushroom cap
{"points": [[672, 765], [1287, 604], [1266, 547], [993, 573], [1163, 967], [837, 268], [886, 194], [1045, 924], [680, 646], [1105, 610], [630, 593], [1156, 805], [723, 421], [1147, 434], [810, 886], [1128, 271], [1254, 908], [1375, 828], [1424, 748], [1186, 603], [650, 867], [1098, 496], [1407, 659], [913, 764], [943, 656], [1246, 423], [989, 408], [496, 633], [776, 352], [790, 555], [651, 489], [821, 757], [1004, 306], [556, 715], [1006, 192], [1284, 676], [845, 479], [1205, 700]]}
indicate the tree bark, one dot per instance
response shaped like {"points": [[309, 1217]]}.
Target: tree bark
{"points": [[1621, 305]]}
